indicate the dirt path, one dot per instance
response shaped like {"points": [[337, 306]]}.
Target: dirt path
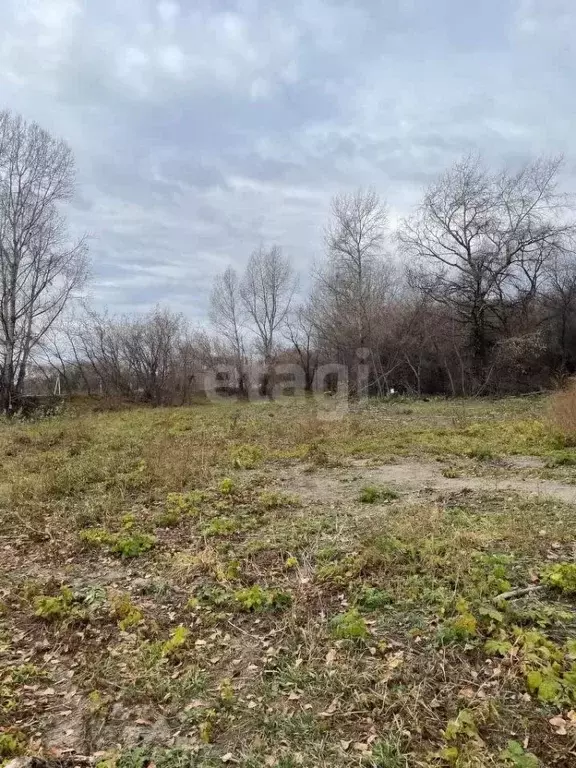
{"points": [[335, 485]]}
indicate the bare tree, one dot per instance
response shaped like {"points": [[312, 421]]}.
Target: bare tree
{"points": [[144, 357], [149, 347], [39, 268], [266, 290], [352, 287], [301, 333], [479, 243], [228, 316], [559, 303]]}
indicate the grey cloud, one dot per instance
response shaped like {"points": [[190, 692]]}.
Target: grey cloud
{"points": [[201, 128]]}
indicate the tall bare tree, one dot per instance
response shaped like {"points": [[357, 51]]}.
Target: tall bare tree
{"points": [[559, 304], [351, 288], [228, 316], [266, 290], [479, 243], [300, 331], [40, 269]]}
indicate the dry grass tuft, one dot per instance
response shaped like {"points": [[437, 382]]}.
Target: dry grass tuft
{"points": [[562, 410]]}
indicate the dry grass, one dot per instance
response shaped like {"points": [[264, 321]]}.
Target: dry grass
{"points": [[166, 596], [563, 411]]}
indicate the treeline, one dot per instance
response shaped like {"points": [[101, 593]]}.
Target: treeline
{"points": [[473, 294]]}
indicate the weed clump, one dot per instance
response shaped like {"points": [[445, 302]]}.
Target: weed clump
{"points": [[220, 526], [11, 745], [133, 545], [54, 608], [125, 544], [274, 500], [371, 494], [247, 456], [561, 459], [480, 453], [450, 473], [516, 756], [561, 576], [177, 639], [372, 598], [317, 455], [227, 487], [66, 607], [349, 626], [126, 613], [256, 598]]}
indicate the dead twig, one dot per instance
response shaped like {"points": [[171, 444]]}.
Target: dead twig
{"points": [[514, 593]]}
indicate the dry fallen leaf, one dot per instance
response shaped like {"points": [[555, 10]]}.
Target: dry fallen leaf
{"points": [[293, 697], [467, 693], [395, 660], [345, 744], [559, 725], [331, 656]]}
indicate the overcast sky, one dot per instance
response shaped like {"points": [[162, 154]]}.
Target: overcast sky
{"points": [[202, 128]]}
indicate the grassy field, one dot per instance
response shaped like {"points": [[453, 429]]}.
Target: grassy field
{"points": [[258, 585]]}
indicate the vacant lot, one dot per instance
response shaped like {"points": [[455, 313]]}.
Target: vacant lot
{"points": [[255, 585]]}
